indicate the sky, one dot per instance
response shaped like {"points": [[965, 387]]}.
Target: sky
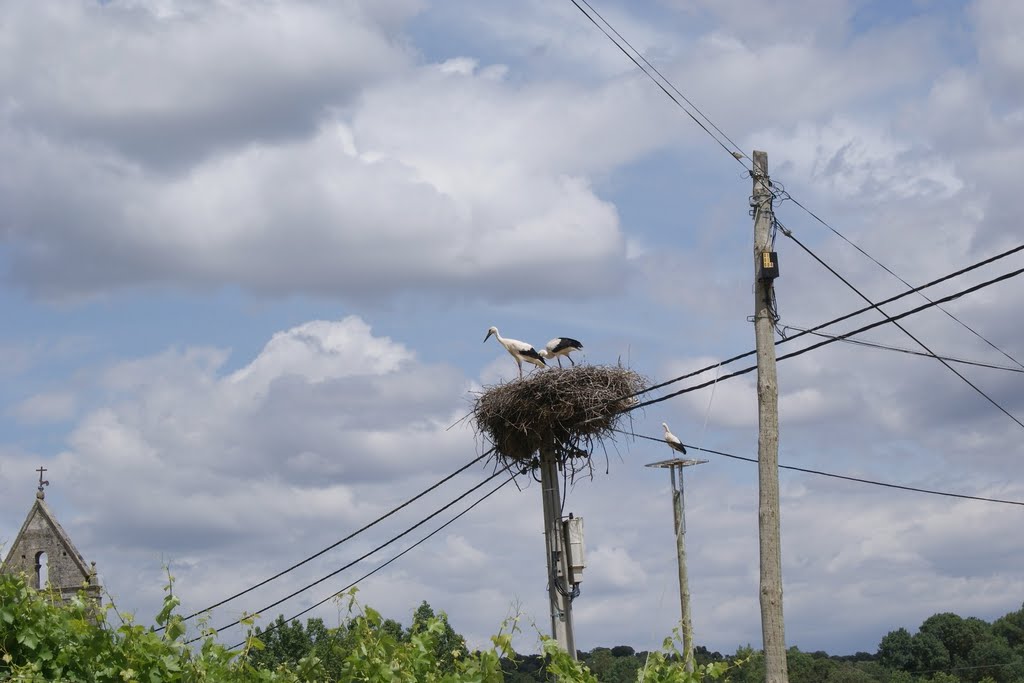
{"points": [[249, 251]]}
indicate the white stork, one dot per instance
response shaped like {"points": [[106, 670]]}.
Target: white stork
{"points": [[519, 350], [561, 346], [673, 440]]}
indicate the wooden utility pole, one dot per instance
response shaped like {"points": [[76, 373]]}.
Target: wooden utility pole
{"points": [[679, 513], [559, 586], [765, 270]]}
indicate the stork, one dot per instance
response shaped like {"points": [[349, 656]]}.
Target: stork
{"points": [[519, 350], [561, 346], [673, 441]]}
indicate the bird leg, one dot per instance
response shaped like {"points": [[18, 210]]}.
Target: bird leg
{"points": [[559, 359], [571, 361]]}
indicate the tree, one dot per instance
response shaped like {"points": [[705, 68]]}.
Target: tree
{"points": [[287, 643], [449, 645], [957, 635], [895, 650], [994, 659], [1010, 627], [929, 653]]}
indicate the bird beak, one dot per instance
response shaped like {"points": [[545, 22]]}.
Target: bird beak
{"points": [[488, 335]]}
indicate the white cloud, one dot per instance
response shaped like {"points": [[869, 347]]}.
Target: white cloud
{"points": [[853, 159], [171, 81], [53, 406], [362, 157]]}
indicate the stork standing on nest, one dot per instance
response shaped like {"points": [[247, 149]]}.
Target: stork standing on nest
{"points": [[561, 346], [519, 350], [673, 440]]}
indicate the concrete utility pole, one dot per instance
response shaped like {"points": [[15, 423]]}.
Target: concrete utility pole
{"points": [[679, 512], [765, 271], [559, 585]]}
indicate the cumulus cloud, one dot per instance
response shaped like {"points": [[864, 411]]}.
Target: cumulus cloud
{"points": [[324, 406], [494, 175], [54, 406], [169, 82]]}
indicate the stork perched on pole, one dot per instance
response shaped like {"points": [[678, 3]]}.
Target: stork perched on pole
{"points": [[561, 346], [673, 440], [519, 350]]}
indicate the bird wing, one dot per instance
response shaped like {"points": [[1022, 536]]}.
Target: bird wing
{"points": [[530, 352], [673, 441], [562, 344]]}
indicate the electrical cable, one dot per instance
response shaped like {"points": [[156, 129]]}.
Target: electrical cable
{"points": [[825, 342], [373, 571], [912, 352], [839, 476], [365, 555], [789, 234], [347, 538], [886, 269], [944, 278], [704, 116], [658, 83], [739, 155]]}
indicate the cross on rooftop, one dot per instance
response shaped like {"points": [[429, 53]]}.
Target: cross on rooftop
{"points": [[42, 482]]}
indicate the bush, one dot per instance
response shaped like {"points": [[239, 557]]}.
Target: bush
{"points": [[43, 639]]}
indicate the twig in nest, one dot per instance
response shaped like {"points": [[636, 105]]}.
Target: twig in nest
{"points": [[574, 409]]}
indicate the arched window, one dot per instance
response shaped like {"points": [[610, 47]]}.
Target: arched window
{"points": [[42, 570]]}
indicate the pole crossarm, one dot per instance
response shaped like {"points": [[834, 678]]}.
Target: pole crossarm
{"points": [[676, 462]]}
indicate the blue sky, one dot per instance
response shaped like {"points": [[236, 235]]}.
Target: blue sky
{"points": [[249, 252]]}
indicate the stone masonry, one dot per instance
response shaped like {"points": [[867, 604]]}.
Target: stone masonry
{"points": [[42, 539]]}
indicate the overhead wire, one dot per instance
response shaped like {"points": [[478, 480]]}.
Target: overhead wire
{"points": [[788, 233], [737, 148], [891, 272], [656, 81], [349, 537], [944, 278], [833, 475], [738, 153], [364, 555], [912, 352], [825, 342], [381, 566]]}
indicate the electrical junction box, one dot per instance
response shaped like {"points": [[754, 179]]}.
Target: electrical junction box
{"points": [[573, 528], [769, 266]]}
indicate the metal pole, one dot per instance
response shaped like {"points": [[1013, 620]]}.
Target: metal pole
{"points": [[679, 509], [772, 625], [679, 516], [559, 589]]}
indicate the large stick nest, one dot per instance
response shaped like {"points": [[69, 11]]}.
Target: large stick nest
{"points": [[575, 409]]}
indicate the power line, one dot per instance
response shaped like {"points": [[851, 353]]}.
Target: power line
{"points": [[373, 571], [347, 538], [739, 155], [826, 342], [660, 75], [886, 269], [974, 266], [365, 555], [789, 234], [833, 475], [657, 82], [877, 345], [962, 668]]}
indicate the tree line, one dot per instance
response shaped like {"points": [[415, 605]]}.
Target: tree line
{"points": [[43, 638], [946, 648]]}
